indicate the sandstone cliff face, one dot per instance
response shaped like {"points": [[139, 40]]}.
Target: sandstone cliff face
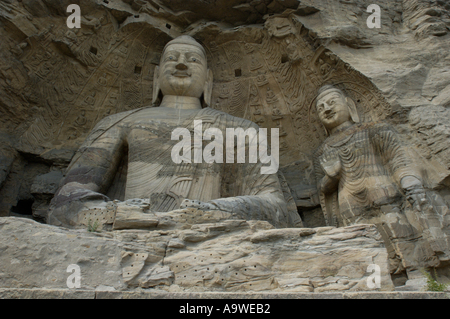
{"points": [[268, 59]]}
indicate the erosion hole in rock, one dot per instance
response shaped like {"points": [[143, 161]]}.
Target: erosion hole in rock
{"points": [[237, 73], [284, 58], [399, 279], [137, 69], [23, 207], [93, 50], [168, 26]]}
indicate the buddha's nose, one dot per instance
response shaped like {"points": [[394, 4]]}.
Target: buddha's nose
{"points": [[181, 66]]}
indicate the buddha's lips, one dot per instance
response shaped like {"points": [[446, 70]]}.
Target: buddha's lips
{"points": [[330, 115], [181, 74]]}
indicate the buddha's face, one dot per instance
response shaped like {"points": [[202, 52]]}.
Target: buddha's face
{"points": [[183, 71], [333, 110]]}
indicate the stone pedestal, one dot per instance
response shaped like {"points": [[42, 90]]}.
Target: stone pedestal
{"points": [[223, 256]]}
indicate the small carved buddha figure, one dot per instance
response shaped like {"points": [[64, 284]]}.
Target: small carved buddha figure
{"points": [[364, 173], [143, 139]]}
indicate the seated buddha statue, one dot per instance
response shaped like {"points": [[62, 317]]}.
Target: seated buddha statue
{"points": [[143, 139]]}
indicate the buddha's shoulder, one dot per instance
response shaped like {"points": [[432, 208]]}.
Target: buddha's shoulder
{"points": [[371, 127], [156, 113], [120, 118], [378, 127]]}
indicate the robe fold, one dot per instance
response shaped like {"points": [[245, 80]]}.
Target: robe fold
{"points": [[129, 155]]}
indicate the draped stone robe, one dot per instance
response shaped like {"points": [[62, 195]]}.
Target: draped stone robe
{"points": [[373, 164], [144, 137], [369, 192]]}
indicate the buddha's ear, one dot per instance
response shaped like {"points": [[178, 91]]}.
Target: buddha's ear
{"points": [[207, 89], [156, 88], [353, 111]]}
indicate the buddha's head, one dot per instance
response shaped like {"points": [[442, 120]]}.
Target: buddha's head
{"points": [[334, 108], [183, 71]]}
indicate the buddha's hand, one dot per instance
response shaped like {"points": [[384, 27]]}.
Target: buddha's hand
{"points": [[331, 163], [415, 192], [189, 203]]}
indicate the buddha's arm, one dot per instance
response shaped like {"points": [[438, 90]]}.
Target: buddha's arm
{"points": [[261, 200], [91, 171], [400, 164], [260, 197], [328, 185], [392, 152], [95, 165]]}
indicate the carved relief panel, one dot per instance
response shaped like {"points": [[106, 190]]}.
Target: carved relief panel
{"points": [[275, 80]]}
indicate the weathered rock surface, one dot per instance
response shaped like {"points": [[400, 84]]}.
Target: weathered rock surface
{"points": [[268, 59], [227, 256], [156, 296]]}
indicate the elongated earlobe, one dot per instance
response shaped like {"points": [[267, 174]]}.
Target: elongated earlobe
{"points": [[207, 90], [353, 111], [156, 88]]}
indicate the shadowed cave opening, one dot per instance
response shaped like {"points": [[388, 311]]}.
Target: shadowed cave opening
{"points": [[23, 207]]}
